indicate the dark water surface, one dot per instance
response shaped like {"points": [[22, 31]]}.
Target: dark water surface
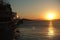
{"points": [[31, 30]]}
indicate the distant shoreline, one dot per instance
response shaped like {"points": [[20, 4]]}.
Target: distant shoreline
{"points": [[40, 20]]}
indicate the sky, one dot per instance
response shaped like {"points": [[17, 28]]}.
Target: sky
{"points": [[34, 9]]}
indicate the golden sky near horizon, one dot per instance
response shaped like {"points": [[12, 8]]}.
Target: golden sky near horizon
{"points": [[36, 9]]}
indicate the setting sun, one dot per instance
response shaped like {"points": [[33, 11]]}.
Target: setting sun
{"points": [[50, 16]]}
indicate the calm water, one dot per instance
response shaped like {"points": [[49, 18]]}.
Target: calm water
{"points": [[39, 30]]}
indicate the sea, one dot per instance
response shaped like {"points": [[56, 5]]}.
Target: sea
{"points": [[39, 30]]}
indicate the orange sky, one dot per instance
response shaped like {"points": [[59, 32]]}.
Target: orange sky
{"points": [[35, 9]]}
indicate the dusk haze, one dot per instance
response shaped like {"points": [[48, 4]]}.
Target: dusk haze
{"points": [[29, 19], [36, 9]]}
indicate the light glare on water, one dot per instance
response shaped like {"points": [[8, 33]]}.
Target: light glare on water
{"points": [[32, 31], [51, 30]]}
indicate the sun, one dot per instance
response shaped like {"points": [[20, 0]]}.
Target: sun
{"points": [[50, 16]]}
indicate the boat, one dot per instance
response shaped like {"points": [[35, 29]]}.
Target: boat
{"points": [[7, 21]]}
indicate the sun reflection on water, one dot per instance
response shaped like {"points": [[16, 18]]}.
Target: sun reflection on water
{"points": [[51, 30]]}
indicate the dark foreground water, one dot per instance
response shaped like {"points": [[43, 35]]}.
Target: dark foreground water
{"points": [[39, 30]]}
